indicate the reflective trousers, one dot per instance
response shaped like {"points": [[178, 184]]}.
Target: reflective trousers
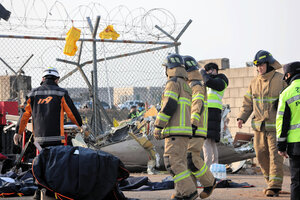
{"points": [[176, 164], [271, 163], [200, 171]]}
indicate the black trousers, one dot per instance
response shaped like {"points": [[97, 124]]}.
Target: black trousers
{"points": [[295, 177]]}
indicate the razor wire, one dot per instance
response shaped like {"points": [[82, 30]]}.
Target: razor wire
{"points": [[50, 17], [127, 71]]}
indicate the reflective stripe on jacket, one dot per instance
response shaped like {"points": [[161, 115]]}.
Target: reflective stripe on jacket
{"points": [[199, 108], [289, 99], [261, 97], [214, 98], [47, 105], [177, 99]]}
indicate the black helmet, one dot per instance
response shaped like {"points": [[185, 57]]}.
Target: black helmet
{"points": [[190, 63], [173, 60], [263, 56], [293, 68]]}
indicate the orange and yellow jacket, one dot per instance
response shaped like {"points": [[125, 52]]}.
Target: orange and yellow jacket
{"points": [[47, 105]]}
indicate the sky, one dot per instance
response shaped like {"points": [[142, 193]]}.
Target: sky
{"points": [[234, 29]]}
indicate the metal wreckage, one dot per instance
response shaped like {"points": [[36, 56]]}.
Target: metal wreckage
{"points": [[133, 143]]}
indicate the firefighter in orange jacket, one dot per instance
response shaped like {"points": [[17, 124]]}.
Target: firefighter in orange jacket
{"points": [[173, 123], [47, 104], [261, 98], [196, 165]]}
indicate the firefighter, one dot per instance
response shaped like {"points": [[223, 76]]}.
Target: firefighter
{"points": [[199, 110], [173, 123], [47, 104], [261, 99], [288, 124], [216, 84]]}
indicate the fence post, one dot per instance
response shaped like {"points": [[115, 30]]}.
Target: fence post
{"points": [[95, 80]]}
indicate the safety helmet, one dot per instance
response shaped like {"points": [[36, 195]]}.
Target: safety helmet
{"points": [[190, 63], [263, 56], [293, 68], [51, 71], [173, 60]]}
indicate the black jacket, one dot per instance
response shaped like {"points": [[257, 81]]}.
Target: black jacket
{"points": [[47, 105], [216, 82]]}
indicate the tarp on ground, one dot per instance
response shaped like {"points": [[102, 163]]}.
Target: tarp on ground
{"points": [[12, 184], [79, 173], [144, 184]]}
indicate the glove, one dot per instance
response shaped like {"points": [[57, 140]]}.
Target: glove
{"points": [[17, 138], [194, 128], [157, 133]]}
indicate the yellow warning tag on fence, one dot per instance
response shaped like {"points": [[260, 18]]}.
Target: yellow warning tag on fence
{"points": [[109, 32], [73, 36]]}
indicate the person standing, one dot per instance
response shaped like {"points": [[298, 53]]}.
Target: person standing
{"points": [[261, 99], [173, 124], [196, 165], [288, 124], [216, 84], [47, 105], [133, 113]]}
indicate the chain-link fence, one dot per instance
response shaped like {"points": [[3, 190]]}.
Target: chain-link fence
{"points": [[128, 72]]}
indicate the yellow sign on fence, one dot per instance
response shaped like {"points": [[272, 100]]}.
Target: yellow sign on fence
{"points": [[73, 36]]}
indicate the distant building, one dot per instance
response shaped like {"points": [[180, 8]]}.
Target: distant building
{"points": [[152, 95], [14, 88]]}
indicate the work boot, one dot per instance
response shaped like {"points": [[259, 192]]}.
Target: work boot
{"points": [[208, 190], [272, 192], [192, 196], [37, 194], [265, 191]]}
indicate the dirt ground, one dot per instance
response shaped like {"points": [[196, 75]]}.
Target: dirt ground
{"points": [[219, 193]]}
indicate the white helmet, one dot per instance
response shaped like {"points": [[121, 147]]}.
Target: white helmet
{"points": [[51, 71]]}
